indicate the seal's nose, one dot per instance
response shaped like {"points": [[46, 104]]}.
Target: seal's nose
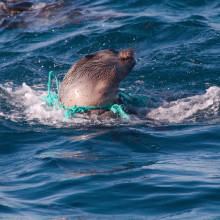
{"points": [[125, 54]]}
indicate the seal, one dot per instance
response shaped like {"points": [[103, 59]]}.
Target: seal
{"points": [[95, 79]]}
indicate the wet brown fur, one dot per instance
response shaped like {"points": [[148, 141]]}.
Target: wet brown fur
{"points": [[96, 77]]}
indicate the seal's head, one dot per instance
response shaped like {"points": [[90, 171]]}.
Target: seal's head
{"points": [[109, 65], [94, 80]]}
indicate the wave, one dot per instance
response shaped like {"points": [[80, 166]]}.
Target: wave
{"points": [[192, 108]]}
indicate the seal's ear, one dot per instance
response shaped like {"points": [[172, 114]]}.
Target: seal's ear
{"points": [[90, 56]]}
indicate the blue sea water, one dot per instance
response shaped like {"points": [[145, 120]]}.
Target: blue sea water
{"points": [[164, 163]]}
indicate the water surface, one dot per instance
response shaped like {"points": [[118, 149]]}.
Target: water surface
{"points": [[161, 164]]}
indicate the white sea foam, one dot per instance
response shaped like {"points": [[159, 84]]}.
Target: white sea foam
{"points": [[25, 104], [190, 108]]}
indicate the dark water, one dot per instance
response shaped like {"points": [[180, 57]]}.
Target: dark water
{"points": [[164, 163]]}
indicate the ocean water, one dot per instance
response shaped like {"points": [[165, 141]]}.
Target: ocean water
{"points": [[163, 163]]}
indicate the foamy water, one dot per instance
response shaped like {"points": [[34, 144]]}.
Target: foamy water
{"points": [[26, 103], [190, 108]]}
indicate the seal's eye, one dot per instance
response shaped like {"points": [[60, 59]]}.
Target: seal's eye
{"points": [[90, 56]]}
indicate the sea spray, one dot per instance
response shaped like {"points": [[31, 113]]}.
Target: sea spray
{"points": [[188, 108]]}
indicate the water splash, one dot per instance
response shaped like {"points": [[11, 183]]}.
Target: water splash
{"points": [[191, 108], [25, 104]]}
